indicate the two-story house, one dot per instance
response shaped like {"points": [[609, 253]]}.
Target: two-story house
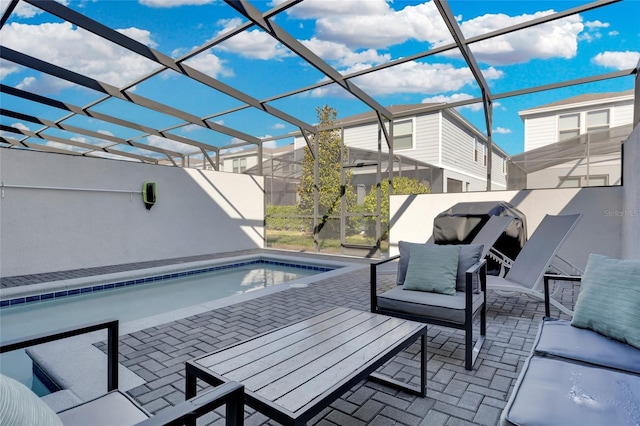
{"points": [[443, 139], [573, 142]]}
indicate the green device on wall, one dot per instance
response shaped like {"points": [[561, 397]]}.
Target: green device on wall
{"points": [[149, 194]]}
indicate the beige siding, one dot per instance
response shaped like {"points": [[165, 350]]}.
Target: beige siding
{"points": [[426, 139], [364, 136], [621, 115], [457, 149], [540, 131]]}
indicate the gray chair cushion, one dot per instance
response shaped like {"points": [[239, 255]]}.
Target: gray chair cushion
{"points": [[559, 338], [429, 305], [470, 254], [554, 392], [114, 408]]}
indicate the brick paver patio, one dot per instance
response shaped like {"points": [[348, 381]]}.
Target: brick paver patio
{"points": [[455, 396]]}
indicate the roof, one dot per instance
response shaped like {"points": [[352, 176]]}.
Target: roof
{"points": [[581, 99]]}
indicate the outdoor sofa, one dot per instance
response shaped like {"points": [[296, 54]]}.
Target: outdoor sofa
{"points": [[586, 371]]}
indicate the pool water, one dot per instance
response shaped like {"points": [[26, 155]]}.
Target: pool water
{"points": [[128, 304]]}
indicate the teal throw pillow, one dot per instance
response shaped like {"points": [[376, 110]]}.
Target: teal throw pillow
{"points": [[20, 406], [609, 299], [432, 268]]}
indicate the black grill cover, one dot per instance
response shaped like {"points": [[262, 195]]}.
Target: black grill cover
{"points": [[460, 224]]}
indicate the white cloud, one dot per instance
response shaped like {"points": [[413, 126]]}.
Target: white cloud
{"points": [[20, 126], [43, 85], [596, 24], [358, 23], [171, 145], [363, 29], [173, 3], [617, 60], [412, 77], [65, 146], [7, 67], [501, 130], [456, 97], [270, 144], [78, 50], [252, 44], [556, 39], [25, 10], [278, 126], [613, 33], [343, 55], [112, 156], [209, 64]]}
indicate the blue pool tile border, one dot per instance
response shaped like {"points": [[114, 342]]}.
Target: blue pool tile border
{"points": [[109, 286]]}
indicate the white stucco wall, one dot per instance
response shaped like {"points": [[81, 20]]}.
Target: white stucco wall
{"points": [[197, 212], [598, 231], [631, 191]]}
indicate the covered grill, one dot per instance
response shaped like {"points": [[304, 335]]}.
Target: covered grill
{"points": [[460, 223]]}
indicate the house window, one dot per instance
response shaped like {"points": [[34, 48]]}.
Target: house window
{"points": [[479, 152], [582, 181], [403, 135], [568, 126], [597, 120], [504, 166], [239, 165]]}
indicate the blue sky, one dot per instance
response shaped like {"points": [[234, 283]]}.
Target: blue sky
{"points": [[349, 35]]}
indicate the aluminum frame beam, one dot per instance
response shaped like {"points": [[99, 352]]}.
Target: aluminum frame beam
{"points": [[76, 110], [132, 45], [273, 29], [91, 148]]}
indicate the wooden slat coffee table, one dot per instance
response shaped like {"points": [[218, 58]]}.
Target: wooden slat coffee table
{"points": [[292, 373]]}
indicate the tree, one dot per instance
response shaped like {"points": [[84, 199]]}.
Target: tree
{"points": [[330, 150], [402, 185]]}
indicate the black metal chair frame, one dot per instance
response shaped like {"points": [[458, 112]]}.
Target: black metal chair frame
{"points": [[231, 394], [471, 350]]}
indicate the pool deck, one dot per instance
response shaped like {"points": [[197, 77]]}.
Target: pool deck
{"points": [[455, 396]]}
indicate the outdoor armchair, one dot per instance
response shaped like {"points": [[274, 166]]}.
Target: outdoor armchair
{"points": [[19, 405], [455, 307]]}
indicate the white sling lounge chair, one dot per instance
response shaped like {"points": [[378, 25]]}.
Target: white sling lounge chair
{"points": [[526, 273]]}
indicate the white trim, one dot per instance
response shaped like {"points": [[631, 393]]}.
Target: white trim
{"points": [[595, 102], [440, 137]]}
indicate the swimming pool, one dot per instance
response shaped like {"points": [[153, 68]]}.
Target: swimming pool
{"points": [[162, 296]]}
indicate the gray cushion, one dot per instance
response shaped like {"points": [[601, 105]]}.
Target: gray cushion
{"points": [[20, 406], [609, 299], [432, 268], [430, 305], [470, 254], [113, 408], [559, 338], [555, 392], [404, 248]]}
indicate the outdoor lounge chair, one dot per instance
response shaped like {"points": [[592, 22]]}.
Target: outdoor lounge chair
{"points": [[457, 310], [526, 273], [19, 405]]}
